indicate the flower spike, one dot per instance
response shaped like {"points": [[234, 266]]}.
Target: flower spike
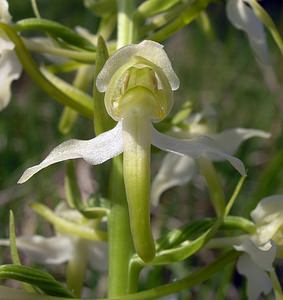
{"points": [[138, 81]]}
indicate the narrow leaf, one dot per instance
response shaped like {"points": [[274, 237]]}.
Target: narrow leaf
{"points": [[42, 280], [57, 30]]}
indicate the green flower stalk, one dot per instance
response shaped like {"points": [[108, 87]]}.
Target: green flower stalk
{"points": [[138, 81]]}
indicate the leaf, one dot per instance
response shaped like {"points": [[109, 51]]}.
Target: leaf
{"points": [[12, 235], [13, 248], [83, 107], [43, 280], [150, 8], [57, 30]]}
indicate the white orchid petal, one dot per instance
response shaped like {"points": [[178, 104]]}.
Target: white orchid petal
{"points": [[258, 280], [266, 208], [229, 140], [54, 250], [150, 50], [10, 69], [94, 151], [6, 45], [263, 255], [175, 170], [196, 147], [5, 16], [98, 255], [243, 18], [268, 216]]}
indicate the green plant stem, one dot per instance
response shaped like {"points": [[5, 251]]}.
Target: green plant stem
{"points": [[234, 196], [119, 234], [214, 186], [76, 268], [134, 273], [125, 22]]}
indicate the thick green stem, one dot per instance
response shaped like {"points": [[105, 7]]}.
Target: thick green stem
{"points": [[119, 235], [125, 22], [136, 166]]}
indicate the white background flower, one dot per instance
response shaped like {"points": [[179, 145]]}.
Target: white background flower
{"points": [[10, 67]]}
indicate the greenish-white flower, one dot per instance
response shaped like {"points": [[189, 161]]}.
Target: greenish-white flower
{"points": [[255, 265], [268, 217], [242, 16], [178, 170], [63, 247], [262, 247], [138, 81], [10, 68]]}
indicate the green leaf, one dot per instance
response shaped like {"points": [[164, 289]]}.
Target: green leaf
{"points": [[71, 91], [101, 7], [187, 15], [80, 105], [68, 227], [56, 30], [186, 249], [102, 121], [196, 228], [12, 236], [42, 280], [150, 8], [13, 248]]}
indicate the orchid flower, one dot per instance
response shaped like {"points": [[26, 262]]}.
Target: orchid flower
{"points": [[255, 265], [261, 248], [10, 67], [242, 16], [268, 217], [178, 170], [138, 81], [63, 247]]}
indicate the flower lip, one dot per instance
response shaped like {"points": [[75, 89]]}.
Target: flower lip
{"points": [[149, 50]]}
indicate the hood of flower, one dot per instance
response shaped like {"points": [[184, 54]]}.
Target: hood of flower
{"points": [[268, 217], [143, 65]]}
